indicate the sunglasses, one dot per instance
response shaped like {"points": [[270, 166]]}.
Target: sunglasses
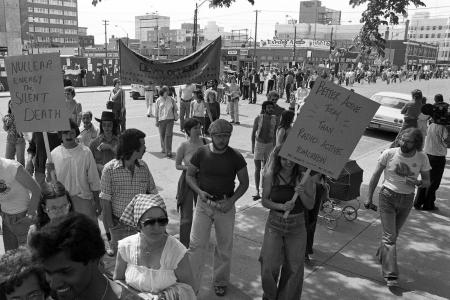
{"points": [[161, 222]]}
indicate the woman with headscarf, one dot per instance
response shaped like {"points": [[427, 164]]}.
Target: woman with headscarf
{"points": [[151, 261]]}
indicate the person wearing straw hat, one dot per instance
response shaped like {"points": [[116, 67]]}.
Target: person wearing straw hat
{"points": [[152, 254], [104, 147], [211, 175]]}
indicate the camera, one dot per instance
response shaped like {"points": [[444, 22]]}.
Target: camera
{"points": [[438, 112]]}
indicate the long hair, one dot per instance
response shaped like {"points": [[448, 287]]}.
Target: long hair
{"points": [[287, 117], [417, 136], [129, 141], [273, 167], [50, 191]]}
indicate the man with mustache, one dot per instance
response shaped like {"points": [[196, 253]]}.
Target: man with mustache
{"points": [[76, 169], [211, 175], [401, 166]]}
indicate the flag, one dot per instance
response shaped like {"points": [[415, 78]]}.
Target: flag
{"points": [[202, 65]]}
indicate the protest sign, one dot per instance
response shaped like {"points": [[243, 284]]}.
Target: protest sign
{"points": [[200, 66], [328, 128], [37, 92]]}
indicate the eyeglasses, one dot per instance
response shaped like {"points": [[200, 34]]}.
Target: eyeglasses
{"points": [[36, 295], [161, 222], [53, 209]]}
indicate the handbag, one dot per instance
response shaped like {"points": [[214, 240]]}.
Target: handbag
{"points": [[109, 103]]}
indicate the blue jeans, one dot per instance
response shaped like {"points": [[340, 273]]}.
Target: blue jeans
{"points": [[204, 218], [15, 147], [185, 107], [394, 210], [119, 232], [15, 229], [166, 134], [283, 248]]}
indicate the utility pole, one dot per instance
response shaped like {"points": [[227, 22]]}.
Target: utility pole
{"points": [[106, 23], [254, 42], [157, 37], [194, 35], [331, 38], [295, 40]]}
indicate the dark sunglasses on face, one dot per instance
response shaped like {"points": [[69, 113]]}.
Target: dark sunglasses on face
{"points": [[161, 222]]}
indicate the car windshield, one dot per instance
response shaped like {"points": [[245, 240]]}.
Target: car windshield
{"points": [[392, 102]]}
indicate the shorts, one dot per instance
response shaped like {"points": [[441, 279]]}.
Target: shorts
{"points": [[262, 151]]}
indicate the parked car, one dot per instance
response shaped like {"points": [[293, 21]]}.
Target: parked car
{"points": [[137, 91], [389, 117]]}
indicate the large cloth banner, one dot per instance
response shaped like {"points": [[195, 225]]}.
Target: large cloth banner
{"points": [[328, 128], [37, 92], [200, 66]]}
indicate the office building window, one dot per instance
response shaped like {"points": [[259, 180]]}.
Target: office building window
{"points": [[434, 27], [440, 27], [421, 36], [56, 30], [421, 28], [70, 22], [31, 28], [55, 11], [43, 39], [41, 10], [55, 2], [30, 9], [56, 21], [426, 36], [428, 27], [438, 35], [432, 35], [69, 4], [70, 13], [70, 31], [41, 29]]}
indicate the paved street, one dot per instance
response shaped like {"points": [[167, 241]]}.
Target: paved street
{"points": [[343, 267]]}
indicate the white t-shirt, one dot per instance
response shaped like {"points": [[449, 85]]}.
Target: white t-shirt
{"points": [[399, 167], [14, 197], [76, 170], [435, 140]]}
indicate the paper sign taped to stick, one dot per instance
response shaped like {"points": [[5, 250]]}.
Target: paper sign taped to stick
{"points": [[328, 128], [37, 92]]}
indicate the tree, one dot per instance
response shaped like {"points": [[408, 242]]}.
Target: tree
{"points": [[379, 12], [214, 3]]}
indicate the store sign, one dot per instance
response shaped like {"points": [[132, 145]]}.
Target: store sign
{"points": [[303, 43], [243, 52], [427, 61], [232, 52]]}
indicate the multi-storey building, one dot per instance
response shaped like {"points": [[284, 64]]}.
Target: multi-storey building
{"points": [[314, 12], [10, 30], [149, 23], [49, 23], [432, 31]]}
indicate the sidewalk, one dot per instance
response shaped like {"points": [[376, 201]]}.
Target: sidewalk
{"points": [[343, 262], [88, 89]]}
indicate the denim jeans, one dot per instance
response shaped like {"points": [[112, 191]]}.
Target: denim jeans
{"points": [[234, 110], [186, 215], [185, 107], [15, 148], [283, 247], [427, 196], [15, 229], [204, 218], [118, 232], [394, 210], [166, 134]]}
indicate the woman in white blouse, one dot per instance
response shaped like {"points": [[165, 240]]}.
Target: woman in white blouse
{"points": [[166, 113]]}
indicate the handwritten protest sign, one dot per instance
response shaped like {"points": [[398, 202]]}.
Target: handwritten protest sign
{"points": [[37, 92], [328, 128]]}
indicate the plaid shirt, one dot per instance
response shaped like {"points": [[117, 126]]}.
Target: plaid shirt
{"points": [[119, 185]]}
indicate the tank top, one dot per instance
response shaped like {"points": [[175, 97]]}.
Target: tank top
{"points": [[281, 193]]}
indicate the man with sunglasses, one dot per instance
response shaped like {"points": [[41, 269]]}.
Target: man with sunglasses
{"points": [[211, 175]]}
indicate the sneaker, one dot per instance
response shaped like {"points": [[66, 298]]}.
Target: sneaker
{"points": [[237, 123], [391, 282]]}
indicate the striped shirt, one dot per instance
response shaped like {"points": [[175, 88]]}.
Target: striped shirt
{"points": [[119, 185]]}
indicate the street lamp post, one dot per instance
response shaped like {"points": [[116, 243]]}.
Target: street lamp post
{"points": [[295, 36], [195, 33]]}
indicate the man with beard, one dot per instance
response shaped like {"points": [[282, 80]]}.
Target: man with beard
{"points": [[75, 168], [70, 249], [401, 167], [211, 175]]}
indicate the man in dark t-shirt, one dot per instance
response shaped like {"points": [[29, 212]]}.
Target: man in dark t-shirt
{"points": [[211, 175]]}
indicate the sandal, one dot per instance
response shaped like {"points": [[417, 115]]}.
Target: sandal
{"points": [[220, 290], [256, 197]]}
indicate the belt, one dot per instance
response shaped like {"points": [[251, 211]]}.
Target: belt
{"points": [[186, 100]]}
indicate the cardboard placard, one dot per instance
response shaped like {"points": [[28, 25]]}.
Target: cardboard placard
{"points": [[328, 128], [37, 92]]}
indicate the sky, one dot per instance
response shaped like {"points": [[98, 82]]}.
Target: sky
{"points": [[241, 14]]}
